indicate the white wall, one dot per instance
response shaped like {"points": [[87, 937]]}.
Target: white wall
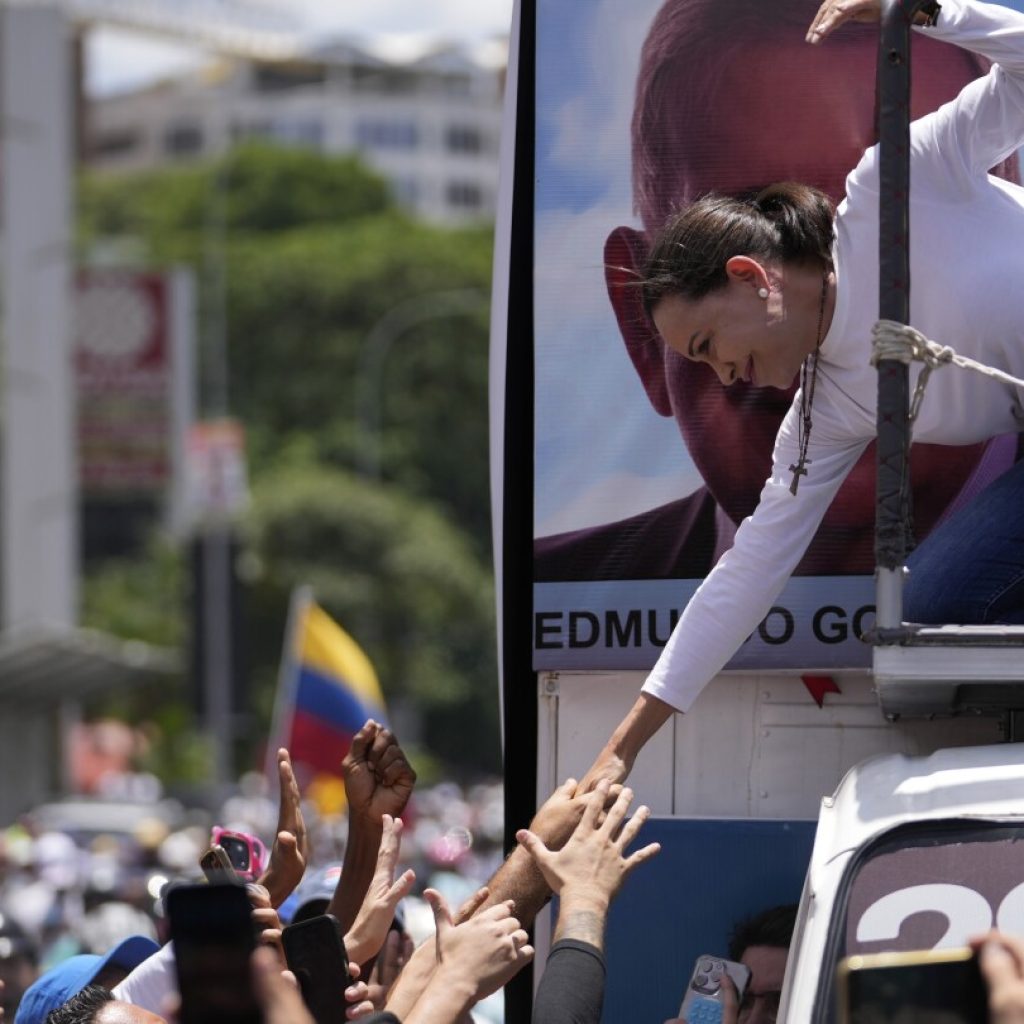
{"points": [[753, 746]]}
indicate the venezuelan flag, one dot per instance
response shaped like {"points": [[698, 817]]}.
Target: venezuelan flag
{"points": [[333, 691]]}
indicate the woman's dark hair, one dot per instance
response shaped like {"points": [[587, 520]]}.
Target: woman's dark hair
{"points": [[787, 222]]}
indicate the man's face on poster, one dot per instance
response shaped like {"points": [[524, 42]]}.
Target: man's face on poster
{"points": [[773, 111]]}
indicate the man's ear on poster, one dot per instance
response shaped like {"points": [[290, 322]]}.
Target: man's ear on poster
{"points": [[625, 254]]}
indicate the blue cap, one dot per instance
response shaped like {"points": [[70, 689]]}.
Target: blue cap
{"points": [[67, 979], [312, 895]]}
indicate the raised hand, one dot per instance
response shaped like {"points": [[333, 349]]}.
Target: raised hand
{"points": [[593, 861], [370, 928], [834, 13], [558, 816], [378, 777], [482, 953], [288, 855]]}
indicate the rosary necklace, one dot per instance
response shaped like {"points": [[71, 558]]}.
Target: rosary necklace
{"points": [[799, 469]]}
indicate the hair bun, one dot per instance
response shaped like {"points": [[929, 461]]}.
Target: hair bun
{"points": [[803, 217]]}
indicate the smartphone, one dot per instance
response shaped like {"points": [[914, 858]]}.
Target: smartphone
{"points": [[937, 986], [217, 866], [315, 951], [211, 927], [246, 852], [703, 1001]]}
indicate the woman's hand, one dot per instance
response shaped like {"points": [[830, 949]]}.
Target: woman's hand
{"points": [[834, 13], [647, 715], [609, 765]]}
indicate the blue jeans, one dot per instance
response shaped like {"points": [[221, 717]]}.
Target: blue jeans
{"points": [[970, 568]]}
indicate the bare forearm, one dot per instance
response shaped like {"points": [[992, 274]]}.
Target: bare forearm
{"points": [[357, 870], [412, 981], [446, 1000], [645, 718], [518, 879], [615, 761]]}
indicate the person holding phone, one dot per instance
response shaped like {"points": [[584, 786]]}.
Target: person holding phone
{"points": [[783, 287], [1001, 958], [760, 943]]}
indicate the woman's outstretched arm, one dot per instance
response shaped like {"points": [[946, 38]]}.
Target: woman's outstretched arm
{"points": [[615, 761]]}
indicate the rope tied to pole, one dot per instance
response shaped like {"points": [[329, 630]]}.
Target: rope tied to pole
{"points": [[906, 344]]}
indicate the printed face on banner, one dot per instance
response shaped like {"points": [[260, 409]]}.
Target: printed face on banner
{"points": [[645, 463]]}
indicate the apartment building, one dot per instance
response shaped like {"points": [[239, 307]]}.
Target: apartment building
{"points": [[425, 115]]}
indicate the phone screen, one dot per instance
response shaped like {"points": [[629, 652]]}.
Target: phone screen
{"points": [[211, 926], [937, 987]]}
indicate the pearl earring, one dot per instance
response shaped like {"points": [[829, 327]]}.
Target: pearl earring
{"points": [[762, 293]]}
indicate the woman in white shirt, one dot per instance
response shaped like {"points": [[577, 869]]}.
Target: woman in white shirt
{"points": [[782, 287]]}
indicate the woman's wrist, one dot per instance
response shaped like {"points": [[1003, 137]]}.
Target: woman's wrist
{"points": [[645, 718]]}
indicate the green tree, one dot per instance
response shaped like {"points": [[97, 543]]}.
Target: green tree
{"points": [[317, 260], [400, 578], [302, 315], [316, 257], [264, 188]]}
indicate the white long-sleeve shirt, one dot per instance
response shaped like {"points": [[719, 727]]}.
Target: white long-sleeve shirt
{"points": [[967, 291]]}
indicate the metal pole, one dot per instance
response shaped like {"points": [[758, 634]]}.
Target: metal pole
{"points": [[218, 668], [386, 331], [893, 497]]}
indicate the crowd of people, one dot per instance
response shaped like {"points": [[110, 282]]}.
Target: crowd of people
{"points": [[433, 923], [66, 958], [581, 845]]}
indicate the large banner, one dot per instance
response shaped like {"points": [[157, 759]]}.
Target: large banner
{"points": [[644, 463]]}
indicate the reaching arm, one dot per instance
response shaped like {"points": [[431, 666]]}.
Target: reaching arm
{"points": [[615, 761], [473, 959], [518, 879], [378, 780], [587, 873], [985, 123], [367, 934]]}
